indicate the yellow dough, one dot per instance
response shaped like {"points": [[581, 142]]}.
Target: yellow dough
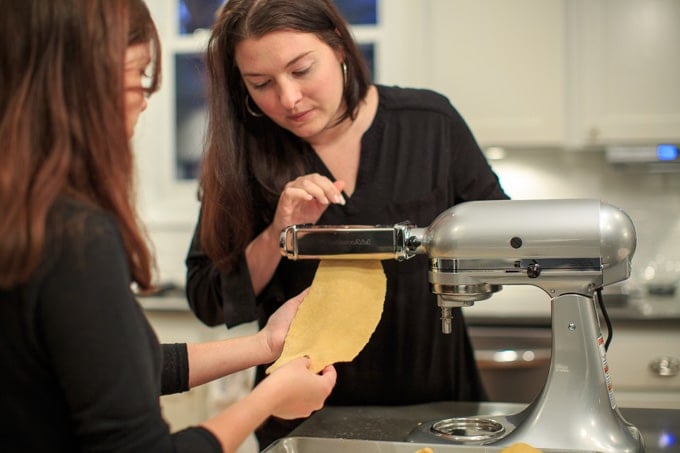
{"points": [[338, 316], [520, 447]]}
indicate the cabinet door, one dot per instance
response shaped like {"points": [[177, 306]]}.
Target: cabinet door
{"points": [[643, 363], [626, 63], [502, 64]]}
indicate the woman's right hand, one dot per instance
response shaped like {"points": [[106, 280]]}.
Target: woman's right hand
{"points": [[290, 392], [304, 199], [297, 390]]}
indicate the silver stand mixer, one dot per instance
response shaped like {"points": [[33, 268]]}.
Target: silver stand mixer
{"points": [[570, 249]]}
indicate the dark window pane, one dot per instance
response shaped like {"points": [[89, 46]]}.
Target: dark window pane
{"points": [[358, 12], [190, 99], [191, 113], [200, 14], [368, 51], [197, 14]]}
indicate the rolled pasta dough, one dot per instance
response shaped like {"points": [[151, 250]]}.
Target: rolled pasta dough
{"points": [[338, 316]]}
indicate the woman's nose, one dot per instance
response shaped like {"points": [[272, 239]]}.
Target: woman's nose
{"points": [[289, 94]]}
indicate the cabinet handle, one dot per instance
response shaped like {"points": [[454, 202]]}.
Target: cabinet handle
{"points": [[665, 366]]}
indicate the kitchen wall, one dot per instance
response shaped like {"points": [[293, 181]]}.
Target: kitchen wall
{"points": [[555, 81], [651, 199]]}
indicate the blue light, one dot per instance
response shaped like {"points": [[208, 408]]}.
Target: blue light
{"points": [[667, 152], [667, 440]]}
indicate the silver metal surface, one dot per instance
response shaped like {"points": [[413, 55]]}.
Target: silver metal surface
{"points": [[475, 429], [346, 242], [666, 366], [327, 445], [576, 407], [569, 249]]}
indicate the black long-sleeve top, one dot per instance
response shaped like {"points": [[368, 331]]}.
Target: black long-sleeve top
{"points": [[82, 367], [418, 158]]}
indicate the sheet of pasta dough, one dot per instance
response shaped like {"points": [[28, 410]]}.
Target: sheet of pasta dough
{"points": [[339, 314]]}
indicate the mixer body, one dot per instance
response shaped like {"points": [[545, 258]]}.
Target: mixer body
{"points": [[568, 248]]}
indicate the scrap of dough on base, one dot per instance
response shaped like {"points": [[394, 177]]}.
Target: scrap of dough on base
{"points": [[339, 314]]}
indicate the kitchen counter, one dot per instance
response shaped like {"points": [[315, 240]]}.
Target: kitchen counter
{"points": [[165, 303], [659, 427], [530, 306]]}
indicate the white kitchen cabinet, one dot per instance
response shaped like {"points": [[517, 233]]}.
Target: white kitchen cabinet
{"points": [[636, 351], [502, 64], [180, 326], [174, 323], [624, 70]]}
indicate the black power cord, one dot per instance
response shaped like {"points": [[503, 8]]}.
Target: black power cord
{"points": [[605, 315]]}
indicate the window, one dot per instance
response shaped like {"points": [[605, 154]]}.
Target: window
{"points": [[195, 17]]}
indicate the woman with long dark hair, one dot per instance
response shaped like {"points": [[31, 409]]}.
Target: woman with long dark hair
{"points": [[299, 134]]}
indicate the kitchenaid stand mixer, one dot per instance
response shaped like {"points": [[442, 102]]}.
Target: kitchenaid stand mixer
{"points": [[568, 248]]}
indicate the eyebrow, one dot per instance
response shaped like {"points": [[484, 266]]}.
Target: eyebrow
{"points": [[289, 64]]}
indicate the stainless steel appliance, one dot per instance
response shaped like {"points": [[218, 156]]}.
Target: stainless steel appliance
{"points": [[568, 248], [513, 360]]}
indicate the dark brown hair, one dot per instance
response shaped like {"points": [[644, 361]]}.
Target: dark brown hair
{"points": [[249, 158], [62, 122]]}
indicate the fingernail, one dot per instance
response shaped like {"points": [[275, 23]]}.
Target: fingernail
{"points": [[339, 199]]}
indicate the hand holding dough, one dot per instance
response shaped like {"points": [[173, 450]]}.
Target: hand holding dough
{"points": [[338, 316]]}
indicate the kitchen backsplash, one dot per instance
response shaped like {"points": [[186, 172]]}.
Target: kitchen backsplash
{"points": [[651, 199]]}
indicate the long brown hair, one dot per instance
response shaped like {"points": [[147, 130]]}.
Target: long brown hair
{"points": [[62, 122], [249, 158]]}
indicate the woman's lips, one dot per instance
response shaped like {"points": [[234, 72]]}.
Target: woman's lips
{"points": [[299, 117]]}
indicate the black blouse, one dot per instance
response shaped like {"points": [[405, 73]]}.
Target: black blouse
{"points": [[418, 158], [83, 369]]}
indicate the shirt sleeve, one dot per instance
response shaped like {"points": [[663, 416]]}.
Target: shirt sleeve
{"points": [[215, 297], [175, 372], [472, 175], [105, 354]]}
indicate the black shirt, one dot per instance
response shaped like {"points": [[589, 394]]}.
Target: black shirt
{"points": [[83, 369], [418, 158]]}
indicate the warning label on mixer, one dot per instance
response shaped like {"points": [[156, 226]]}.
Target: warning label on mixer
{"points": [[605, 368]]}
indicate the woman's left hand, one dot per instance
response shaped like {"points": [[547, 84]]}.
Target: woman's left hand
{"points": [[279, 322]]}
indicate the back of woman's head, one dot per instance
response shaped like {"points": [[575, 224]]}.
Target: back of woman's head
{"points": [[62, 120]]}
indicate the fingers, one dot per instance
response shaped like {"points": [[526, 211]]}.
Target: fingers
{"points": [[305, 391], [330, 375], [301, 296], [318, 187], [294, 302], [340, 185], [304, 361]]}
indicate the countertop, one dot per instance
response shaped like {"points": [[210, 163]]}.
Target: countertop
{"points": [[528, 305], [165, 303], [659, 427], [530, 311]]}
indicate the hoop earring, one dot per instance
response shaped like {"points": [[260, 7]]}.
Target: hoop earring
{"points": [[250, 110], [343, 65]]}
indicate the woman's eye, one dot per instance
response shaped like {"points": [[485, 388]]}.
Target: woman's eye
{"points": [[301, 72], [259, 86]]}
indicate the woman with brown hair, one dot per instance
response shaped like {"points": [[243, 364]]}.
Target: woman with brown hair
{"points": [[83, 368], [298, 134]]}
